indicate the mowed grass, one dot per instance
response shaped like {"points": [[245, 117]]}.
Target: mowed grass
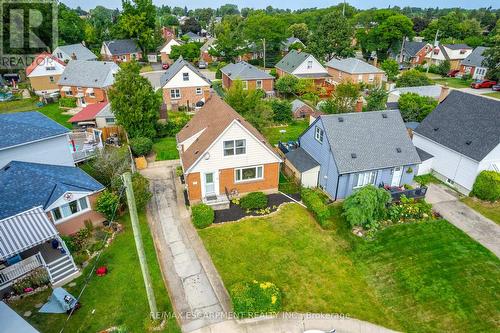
{"points": [[292, 132], [19, 105], [117, 299], [425, 277], [490, 210], [453, 82], [50, 110], [166, 149], [494, 94]]}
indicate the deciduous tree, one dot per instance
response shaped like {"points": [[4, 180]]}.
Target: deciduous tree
{"points": [[391, 68], [414, 107], [333, 38], [413, 78]]}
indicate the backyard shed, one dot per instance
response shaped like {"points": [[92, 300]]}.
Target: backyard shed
{"points": [[303, 166]]}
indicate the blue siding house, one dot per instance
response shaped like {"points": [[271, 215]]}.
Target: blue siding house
{"points": [[357, 149]]}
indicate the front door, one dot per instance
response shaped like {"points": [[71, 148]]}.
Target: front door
{"points": [[396, 176], [209, 184]]}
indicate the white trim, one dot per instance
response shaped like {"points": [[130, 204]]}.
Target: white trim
{"points": [[26, 143], [78, 195], [72, 216], [467, 157], [249, 180]]}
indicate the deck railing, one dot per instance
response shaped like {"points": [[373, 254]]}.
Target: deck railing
{"points": [[416, 193], [20, 268]]}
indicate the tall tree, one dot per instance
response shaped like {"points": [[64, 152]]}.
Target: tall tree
{"points": [[230, 43], [343, 100], [492, 59], [228, 9], [300, 31], [191, 25], [259, 26], [138, 21], [333, 38], [71, 26], [134, 102]]}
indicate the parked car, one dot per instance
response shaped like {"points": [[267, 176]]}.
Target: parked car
{"points": [[496, 87], [165, 66], [482, 84], [453, 73], [202, 64]]}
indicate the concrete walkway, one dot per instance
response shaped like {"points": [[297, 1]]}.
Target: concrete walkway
{"points": [[446, 202], [196, 290]]}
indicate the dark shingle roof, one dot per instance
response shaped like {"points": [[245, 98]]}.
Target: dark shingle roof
{"points": [[292, 60], [372, 138], [466, 123], [475, 58], [244, 71], [122, 46], [25, 185], [457, 46], [424, 156], [24, 127], [411, 48], [301, 160], [176, 67]]}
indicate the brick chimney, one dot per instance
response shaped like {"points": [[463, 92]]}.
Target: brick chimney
{"points": [[445, 90], [359, 105]]}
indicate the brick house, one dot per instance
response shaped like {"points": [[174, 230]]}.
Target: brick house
{"points": [[204, 50], [88, 81], [166, 49], [303, 66], [454, 53], [184, 86], [120, 50], [354, 70], [411, 53], [251, 77], [473, 64], [303, 110], [221, 153], [44, 72]]}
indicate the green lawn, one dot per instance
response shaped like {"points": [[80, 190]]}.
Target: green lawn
{"points": [[426, 277], [293, 130], [453, 82], [117, 299], [494, 94], [50, 110], [490, 210], [55, 113], [19, 105], [166, 149], [147, 68]]}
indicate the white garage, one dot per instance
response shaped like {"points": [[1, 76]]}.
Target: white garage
{"points": [[303, 166]]}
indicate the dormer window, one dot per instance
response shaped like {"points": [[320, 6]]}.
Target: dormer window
{"points": [[185, 76]]}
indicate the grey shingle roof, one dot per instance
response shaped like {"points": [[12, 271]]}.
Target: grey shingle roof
{"points": [[475, 58], [353, 66], [25, 185], [301, 160], [291, 40], [372, 138], [466, 123], [291, 61], [424, 156], [176, 67], [411, 48], [457, 46], [244, 71], [96, 74], [80, 51], [122, 46], [23, 127], [443, 50]]}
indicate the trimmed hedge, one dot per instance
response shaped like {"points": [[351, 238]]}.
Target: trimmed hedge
{"points": [[141, 146], [67, 102], [203, 216], [487, 186], [317, 205], [254, 200], [252, 299]]}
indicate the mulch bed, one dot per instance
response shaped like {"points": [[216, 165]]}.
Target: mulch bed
{"points": [[235, 212]]}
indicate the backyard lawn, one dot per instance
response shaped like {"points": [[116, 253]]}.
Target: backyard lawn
{"points": [[166, 149], [453, 82], [426, 277], [118, 299], [19, 105], [293, 130], [50, 110], [490, 210], [494, 94]]}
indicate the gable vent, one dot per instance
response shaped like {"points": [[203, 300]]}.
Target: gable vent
{"points": [[341, 120], [468, 143], [384, 115], [353, 155], [398, 150]]}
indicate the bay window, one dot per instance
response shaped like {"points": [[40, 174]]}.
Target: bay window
{"points": [[69, 209], [246, 174]]}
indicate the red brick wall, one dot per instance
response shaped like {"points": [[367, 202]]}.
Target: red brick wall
{"points": [[100, 95], [268, 183], [339, 76], [267, 84], [188, 95]]}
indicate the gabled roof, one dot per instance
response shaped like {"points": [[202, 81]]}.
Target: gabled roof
{"points": [[41, 59], [213, 118], [353, 66], [96, 74], [179, 42], [466, 123], [458, 46], [362, 141], [192, 35], [88, 113], [244, 71], [476, 58], [80, 51], [291, 40], [292, 60], [443, 50], [106, 111], [25, 185], [412, 48], [24, 127], [208, 44], [122, 46], [176, 67]]}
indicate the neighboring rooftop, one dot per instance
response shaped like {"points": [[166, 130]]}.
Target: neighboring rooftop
{"points": [[292, 60], [192, 35], [24, 127], [353, 66], [458, 46], [176, 67], [466, 123], [301, 160], [88, 113], [80, 51], [290, 41], [412, 48], [96, 74], [244, 71], [26, 185], [372, 137], [122, 46], [208, 44], [40, 59], [433, 91], [476, 58]]}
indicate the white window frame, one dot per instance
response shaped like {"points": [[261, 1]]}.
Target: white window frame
{"points": [[318, 134], [68, 217], [238, 173], [175, 93], [199, 91], [245, 85], [258, 84], [185, 76], [366, 178], [110, 120], [238, 147], [309, 64]]}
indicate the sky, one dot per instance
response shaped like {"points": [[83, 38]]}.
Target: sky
{"points": [[296, 4]]}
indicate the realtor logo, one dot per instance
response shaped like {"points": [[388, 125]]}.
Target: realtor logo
{"points": [[28, 27]]}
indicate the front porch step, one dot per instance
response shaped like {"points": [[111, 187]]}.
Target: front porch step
{"points": [[61, 268]]}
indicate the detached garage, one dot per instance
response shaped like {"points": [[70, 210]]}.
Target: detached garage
{"points": [[303, 166]]}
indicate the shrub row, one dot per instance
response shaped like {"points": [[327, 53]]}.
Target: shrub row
{"points": [[67, 102], [141, 146], [317, 205]]}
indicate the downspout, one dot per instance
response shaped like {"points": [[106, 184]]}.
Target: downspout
{"points": [[337, 187]]}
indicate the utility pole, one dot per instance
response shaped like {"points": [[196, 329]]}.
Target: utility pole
{"points": [[264, 43], [343, 9], [401, 53], [432, 53], [127, 182]]}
